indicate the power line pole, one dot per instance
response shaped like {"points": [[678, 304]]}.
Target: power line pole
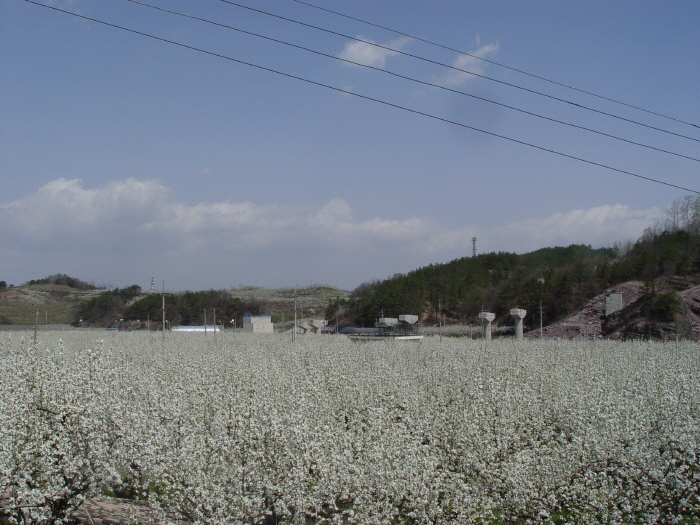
{"points": [[440, 319], [162, 295], [337, 317]]}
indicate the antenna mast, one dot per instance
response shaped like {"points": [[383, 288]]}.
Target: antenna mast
{"points": [[473, 246]]}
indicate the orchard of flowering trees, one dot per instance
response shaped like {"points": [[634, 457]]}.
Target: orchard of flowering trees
{"points": [[260, 430]]}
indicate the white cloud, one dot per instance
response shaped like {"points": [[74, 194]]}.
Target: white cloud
{"points": [[369, 54], [471, 63], [133, 210], [597, 226], [127, 225], [63, 207]]}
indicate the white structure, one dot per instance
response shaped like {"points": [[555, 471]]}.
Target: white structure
{"points": [[201, 328], [518, 315], [389, 329], [309, 326], [487, 318], [613, 302], [258, 324], [317, 324]]}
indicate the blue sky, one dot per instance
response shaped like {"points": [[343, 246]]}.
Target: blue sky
{"points": [[123, 157]]}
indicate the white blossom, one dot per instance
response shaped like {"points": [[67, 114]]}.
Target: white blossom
{"points": [[250, 429]]}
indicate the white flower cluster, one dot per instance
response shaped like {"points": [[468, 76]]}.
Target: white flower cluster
{"points": [[260, 430]]}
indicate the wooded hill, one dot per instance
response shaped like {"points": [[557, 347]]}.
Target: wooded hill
{"points": [[560, 279]]}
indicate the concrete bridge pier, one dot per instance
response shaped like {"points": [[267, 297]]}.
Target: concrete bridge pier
{"points": [[486, 319], [518, 315]]}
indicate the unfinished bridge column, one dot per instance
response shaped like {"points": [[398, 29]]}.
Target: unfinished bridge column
{"points": [[518, 315], [486, 319]]}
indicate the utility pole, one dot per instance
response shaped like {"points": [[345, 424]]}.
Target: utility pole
{"points": [[162, 295], [294, 333], [294, 330], [337, 317], [440, 319]]}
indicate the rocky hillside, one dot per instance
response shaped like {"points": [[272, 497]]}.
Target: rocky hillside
{"points": [[588, 321], [664, 316], [691, 300]]}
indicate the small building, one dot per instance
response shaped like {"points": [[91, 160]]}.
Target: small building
{"points": [[613, 302], [258, 324]]}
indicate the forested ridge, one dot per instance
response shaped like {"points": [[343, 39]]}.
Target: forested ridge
{"points": [[494, 282], [561, 279], [185, 308]]}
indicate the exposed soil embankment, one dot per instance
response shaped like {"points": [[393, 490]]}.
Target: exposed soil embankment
{"points": [[630, 323], [691, 300], [588, 321]]}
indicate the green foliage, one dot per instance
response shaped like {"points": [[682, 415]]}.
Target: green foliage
{"points": [[659, 255], [63, 279], [665, 306], [108, 305], [188, 308], [560, 277]]}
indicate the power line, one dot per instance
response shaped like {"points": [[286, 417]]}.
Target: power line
{"points": [[431, 84], [364, 97], [417, 57], [432, 43]]}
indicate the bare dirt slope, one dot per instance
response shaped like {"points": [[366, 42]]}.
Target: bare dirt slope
{"points": [[588, 321], [691, 298]]}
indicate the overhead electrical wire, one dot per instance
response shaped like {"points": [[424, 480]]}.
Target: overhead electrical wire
{"points": [[436, 44], [442, 64], [387, 72], [364, 97]]}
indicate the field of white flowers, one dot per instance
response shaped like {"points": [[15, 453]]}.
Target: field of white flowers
{"points": [[258, 430]]}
